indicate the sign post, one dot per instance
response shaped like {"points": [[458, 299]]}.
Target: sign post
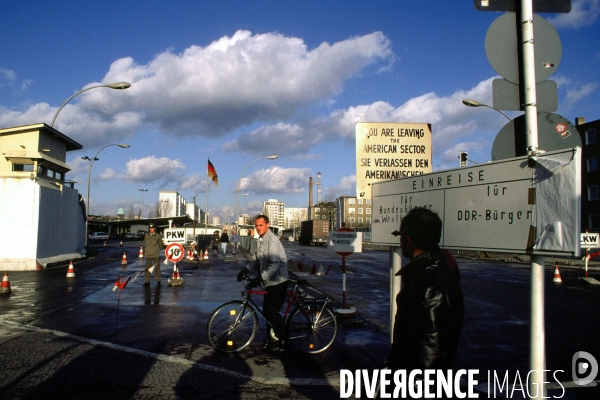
{"points": [[345, 242], [174, 253], [588, 241]]}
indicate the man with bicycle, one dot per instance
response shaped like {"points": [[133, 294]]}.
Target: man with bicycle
{"points": [[270, 263]]}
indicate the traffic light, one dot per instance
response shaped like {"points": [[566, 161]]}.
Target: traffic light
{"points": [[463, 158]]}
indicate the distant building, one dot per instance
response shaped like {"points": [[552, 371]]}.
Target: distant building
{"points": [[42, 214], [293, 217], [275, 210], [245, 219], [324, 210], [356, 213], [120, 214], [194, 212], [216, 220], [590, 179], [171, 204]]}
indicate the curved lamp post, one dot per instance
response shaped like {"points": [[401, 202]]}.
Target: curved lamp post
{"points": [[237, 207], [475, 103], [117, 85], [91, 160]]}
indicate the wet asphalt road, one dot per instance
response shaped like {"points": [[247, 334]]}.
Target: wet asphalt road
{"points": [[171, 320]]}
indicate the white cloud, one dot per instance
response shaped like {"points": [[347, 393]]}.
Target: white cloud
{"points": [[151, 169], [195, 183], [577, 92], [583, 13], [7, 75], [276, 180], [268, 139], [210, 91], [107, 174]]}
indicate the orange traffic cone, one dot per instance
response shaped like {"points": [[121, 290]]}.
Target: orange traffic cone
{"points": [[141, 251], [5, 287], [124, 260], [71, 271], [557, 278], [206, 254], [190, 255]]}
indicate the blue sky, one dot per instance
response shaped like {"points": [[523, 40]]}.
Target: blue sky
{"points": [[240, 80]]}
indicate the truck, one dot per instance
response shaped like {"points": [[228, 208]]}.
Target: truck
{"points": [[314, 232]]}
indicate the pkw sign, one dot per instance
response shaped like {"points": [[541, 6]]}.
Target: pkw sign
{"points": [[175, 235], [589, 241]]}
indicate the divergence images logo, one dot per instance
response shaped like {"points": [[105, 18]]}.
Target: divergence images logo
{"points": [[583, 364]]}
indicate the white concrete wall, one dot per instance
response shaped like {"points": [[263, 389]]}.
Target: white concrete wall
{"points": [[19, 222], [40, 224]]}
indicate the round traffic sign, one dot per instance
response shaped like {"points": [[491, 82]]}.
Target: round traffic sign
{"points": [[174, 252], [344, 253], [555, 132], [502, 48]]}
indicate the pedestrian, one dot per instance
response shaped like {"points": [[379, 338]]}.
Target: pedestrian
{"points": [[153, 243], [224, 240], [215, 242], [235, 240], [430, 307], [270, 264]]}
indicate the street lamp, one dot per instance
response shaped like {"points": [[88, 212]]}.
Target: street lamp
{"points": [[237, 207], [475, 103], [117, 86], [142, 212], [91, 160]]}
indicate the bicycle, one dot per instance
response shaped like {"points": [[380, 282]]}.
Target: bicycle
{"points": [[311, 327]]}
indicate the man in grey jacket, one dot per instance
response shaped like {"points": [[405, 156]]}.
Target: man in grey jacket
{"points": [[270, 263]]}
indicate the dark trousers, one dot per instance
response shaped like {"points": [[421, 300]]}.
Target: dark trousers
{"points": [[272, 304], [149, 262]]}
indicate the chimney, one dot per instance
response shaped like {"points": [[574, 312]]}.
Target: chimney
{"points": [[579, 121], [310, 194]]}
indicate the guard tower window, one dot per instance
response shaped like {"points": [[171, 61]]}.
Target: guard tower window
{"points": [[22, 167]]}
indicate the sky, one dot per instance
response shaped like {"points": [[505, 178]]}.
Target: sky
{"points": [[237, 81]]}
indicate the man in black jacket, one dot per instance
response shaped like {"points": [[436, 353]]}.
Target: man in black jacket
{"points": [[430, 306]]}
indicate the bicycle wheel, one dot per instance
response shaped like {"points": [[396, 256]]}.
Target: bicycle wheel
{"points": [[312, 331], [231, 327]]}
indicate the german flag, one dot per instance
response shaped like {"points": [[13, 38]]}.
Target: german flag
{"points": [[212, 173]]}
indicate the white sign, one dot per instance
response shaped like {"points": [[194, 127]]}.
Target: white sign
{"points": [[502, 206], [345, 242], [390, 150], [174, 235], [589, 241]]}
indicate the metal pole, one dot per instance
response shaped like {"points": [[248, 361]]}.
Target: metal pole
{"points": [[395, 282], [343, 282], [195, 218], [206, 211], [537, 351]]}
